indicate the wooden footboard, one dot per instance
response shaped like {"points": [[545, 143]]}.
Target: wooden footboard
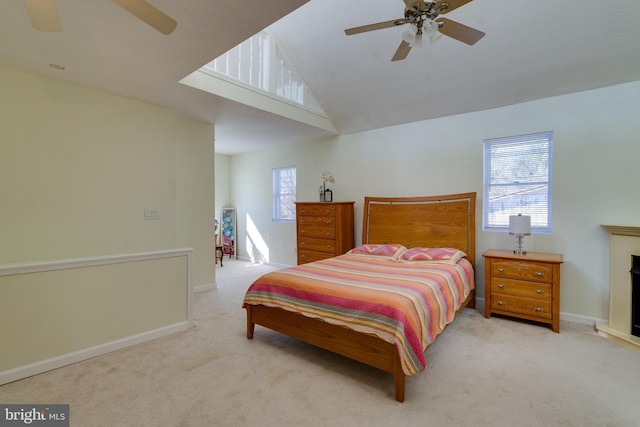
{"points": [[365, 348]]}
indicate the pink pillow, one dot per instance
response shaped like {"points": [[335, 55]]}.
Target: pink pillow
{"points": [[449, 255], [388, 250]]}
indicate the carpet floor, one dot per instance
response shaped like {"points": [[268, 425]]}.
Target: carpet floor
{"points": [[481, 372]]}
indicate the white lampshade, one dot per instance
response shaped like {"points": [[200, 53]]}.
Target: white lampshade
{"points": [[417, 42], [431, 29], [409, 35], [520, 224]]}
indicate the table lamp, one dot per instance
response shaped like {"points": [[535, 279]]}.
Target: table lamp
{"points": [[520, 226]]}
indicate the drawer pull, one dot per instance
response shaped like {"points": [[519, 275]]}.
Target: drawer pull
{"points": [[539, 291], [501, 302], [328, 246], [328, 234], [328, 212], [302, 211], [302, 243], [539, 274], [501, 286], [328, 222], [501, 270], [538, 309]]}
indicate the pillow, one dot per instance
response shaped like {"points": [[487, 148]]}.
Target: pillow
{"points": [[448, 255], [390, 251]]}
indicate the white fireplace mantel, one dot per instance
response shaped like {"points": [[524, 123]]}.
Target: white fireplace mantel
{"points": [[624, 241]]}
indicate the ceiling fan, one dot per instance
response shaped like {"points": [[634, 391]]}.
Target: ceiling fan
{"points": [[423, 16], [44, 15]]}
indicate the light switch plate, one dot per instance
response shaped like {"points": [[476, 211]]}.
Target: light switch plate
{"points": [[151, 214]]}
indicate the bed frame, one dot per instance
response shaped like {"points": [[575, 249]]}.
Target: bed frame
{"points": [[436, 221]]}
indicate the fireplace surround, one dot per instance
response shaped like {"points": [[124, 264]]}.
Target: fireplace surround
{"points": [[624, 243], [635, 295]]}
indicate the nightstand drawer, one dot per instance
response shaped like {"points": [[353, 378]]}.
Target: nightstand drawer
{"points": [[528, 306], [316, 210], [522, 271], [320, 245], [518, 288]]}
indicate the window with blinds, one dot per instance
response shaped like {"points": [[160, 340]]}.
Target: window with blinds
{"points": [[284, 194], [517, 180]]}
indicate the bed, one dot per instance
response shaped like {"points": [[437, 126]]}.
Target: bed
{"points": [[385, 301]]}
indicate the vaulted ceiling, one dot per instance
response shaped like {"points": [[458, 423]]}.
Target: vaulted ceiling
{"points": [[532, 49]]}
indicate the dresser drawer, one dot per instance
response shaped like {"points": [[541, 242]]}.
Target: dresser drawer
{"points": [[316, 210], [316, 221], [527, 306], [320, 245], [305, 256], [518, 288], [522, 271], [321, 232]]}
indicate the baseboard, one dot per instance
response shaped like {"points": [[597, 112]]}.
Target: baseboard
{"points": [[578, 318], [202, 288], [568, 317], [25, 371]]}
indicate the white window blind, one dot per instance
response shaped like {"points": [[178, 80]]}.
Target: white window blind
{"points": [[284, 194], [517, 180]]}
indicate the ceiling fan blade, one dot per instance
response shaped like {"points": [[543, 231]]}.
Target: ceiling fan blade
{"points": [[149, 14], [402, 52], [446, 6], [44, 15], [458, 31], [378, 26], [421, 5]]}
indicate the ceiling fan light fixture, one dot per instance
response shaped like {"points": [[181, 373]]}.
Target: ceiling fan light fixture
{"points": [[431, 28], [417, 42], [409, 35]]}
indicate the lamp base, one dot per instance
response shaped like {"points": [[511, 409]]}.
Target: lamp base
{"points": [[518, 250]]}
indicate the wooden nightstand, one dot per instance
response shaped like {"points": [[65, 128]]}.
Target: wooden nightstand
{"points": [[525, 286]]}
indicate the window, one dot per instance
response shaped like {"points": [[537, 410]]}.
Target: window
{"points": [[284, 194], [517, 180]]}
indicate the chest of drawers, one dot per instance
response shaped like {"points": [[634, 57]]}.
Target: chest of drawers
{"points": [[323, 230], [525, 286]]}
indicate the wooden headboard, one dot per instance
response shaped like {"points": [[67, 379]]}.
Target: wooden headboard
{"points": [[433, 221]]}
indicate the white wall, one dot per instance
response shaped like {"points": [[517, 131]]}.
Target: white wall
{"points": [[223, 183], [595, 178]]}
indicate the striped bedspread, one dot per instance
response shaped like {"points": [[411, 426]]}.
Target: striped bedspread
{"points": [[404, 303]]}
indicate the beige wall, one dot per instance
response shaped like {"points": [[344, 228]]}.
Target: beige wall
{"points": [[595, 177], [78, 167], [62, 312]]}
